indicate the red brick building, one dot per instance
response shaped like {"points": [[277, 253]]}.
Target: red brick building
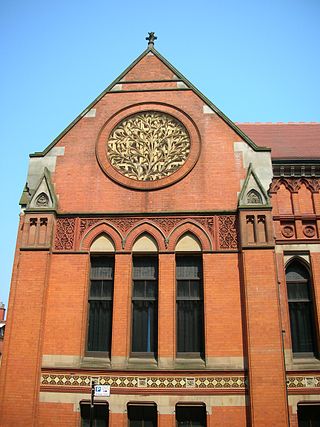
{"points": [[171, 254]]}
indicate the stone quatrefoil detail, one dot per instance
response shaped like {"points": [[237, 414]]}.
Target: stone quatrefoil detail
{"points": [[148, 146]]}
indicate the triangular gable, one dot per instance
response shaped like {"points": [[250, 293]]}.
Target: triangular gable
{"points": [[175, 74], [44, 196], [149, 68], [253, 195]]}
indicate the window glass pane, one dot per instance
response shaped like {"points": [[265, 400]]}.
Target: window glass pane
{"points": [[144, 305], [100, 415], [309, 415], [183, 288], [189, 305], [195, 289], [99, 334], [302, 322], [96, 288], [297, 272], [194, 416], [107, 289], [297, 291], [142, 416], [102, 268], [188, 267], [190, 327], [100, 304], [145, 268], [151, 289], [144, 326], [139, 288], [301, 327]]}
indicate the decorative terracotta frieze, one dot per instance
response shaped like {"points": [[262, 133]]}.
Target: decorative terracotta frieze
{"points": [[213, 382], [65, 234], [294, 184], [228, 238], [68, 236]]}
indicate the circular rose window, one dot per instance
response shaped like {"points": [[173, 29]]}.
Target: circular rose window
{"points": [[148, 148]]}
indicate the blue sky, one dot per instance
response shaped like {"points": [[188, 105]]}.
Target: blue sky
{"points": [[256, 60]]}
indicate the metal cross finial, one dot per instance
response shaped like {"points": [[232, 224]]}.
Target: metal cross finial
{"points": [[151, 39]]}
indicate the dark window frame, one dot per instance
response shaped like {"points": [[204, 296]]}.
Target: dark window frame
{"points": [[196, 298], [142, 405], [85, 410], [147, 300], [308, 302], [189, 407], [94, 256], [313, 418]]}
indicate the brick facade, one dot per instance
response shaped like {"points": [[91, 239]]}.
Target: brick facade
{"points": [[248, 373]]}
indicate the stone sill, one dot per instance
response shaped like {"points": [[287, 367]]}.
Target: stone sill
{"points": [[303, 363], [142, 363], [95, 362]]}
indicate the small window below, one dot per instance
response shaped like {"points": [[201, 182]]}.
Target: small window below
{"points": [[100, 414], [142, 415], [309, 414], [188, 415]]}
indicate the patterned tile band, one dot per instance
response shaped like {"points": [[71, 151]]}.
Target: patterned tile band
{"points": [[222, 382], [177, 382], [303, 382]]}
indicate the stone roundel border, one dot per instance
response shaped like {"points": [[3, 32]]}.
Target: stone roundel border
{"points": [[116, 176]]}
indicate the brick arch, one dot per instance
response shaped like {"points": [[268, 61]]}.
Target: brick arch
{"points": [[306, 197], [145, 228], [193, 228], [98, 229]]}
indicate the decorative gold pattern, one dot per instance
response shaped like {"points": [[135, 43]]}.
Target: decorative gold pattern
{"points": [[205, 382], [148, 146]]}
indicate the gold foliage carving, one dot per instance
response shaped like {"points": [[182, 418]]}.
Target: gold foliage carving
{"points": [[148, 146]]}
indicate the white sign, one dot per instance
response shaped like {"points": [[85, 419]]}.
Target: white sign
{"points": [[102, 390]]}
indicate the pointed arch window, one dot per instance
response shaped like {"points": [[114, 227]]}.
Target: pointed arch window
{"points": [[100, 305], [301, 310], [145, 305], [190, 321]]}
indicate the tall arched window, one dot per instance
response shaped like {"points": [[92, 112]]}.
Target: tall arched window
{"points": [[100, 299], [189, 295], [145, 297], [302, 319]]}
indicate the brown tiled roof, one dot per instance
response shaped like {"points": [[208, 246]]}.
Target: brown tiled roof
{"points": [[286, 140]]}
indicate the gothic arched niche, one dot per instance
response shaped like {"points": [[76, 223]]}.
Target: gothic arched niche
{"points": [[254, 198], [284, 200], [305, 199]]}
